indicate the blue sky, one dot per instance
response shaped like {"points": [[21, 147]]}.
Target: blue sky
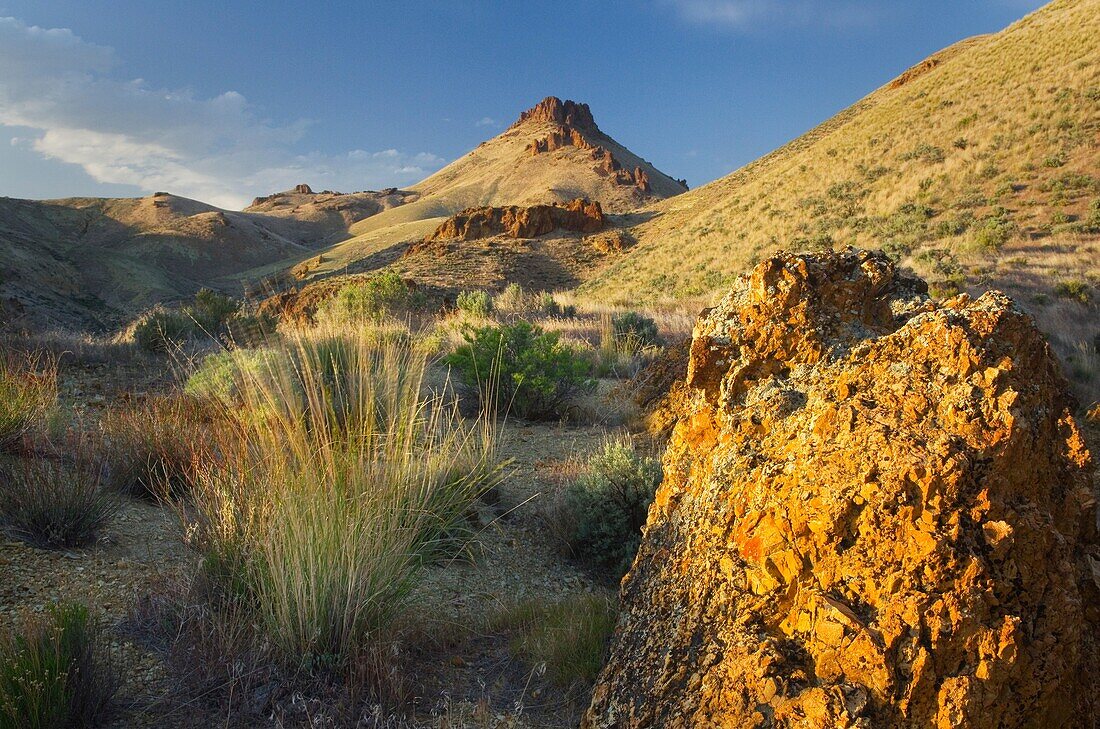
{"points": [[227, 100]]}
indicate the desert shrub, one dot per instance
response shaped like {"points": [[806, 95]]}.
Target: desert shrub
{"points": [[153, 447], [28, 390], [1072, 289], [384, 294], [569, 638], [321, 521], [517, 302], [520, 368], [926, 153], [53, 503], [219, 374], [636, 328], [161, 330], [475, 303], [54, 672], [993, 232], [251, 328], [609, 503], [210, 311]]}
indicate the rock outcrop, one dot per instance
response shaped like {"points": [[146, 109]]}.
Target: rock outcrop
{"points": [[574, 121], [877, 512], [554, 110], [517, 221]]}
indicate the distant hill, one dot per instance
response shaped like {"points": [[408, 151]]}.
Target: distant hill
{"points": [[979, 168], [554, 152], [94, 262], [87, 262]]}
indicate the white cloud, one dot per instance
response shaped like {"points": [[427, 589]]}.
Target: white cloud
{"points": [[750, 14], [487, 121], [125, 131]]}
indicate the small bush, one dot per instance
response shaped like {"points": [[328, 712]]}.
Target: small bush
{"points": [[609, 505], [635, 328], [993, 232], [926, 153], [210, 311], [28, 389], [384, 294], [520, 368], [162, 330], [220, 373], [54, 504], [475, 303], [53, 673], [1073, 289], [570, 638]]}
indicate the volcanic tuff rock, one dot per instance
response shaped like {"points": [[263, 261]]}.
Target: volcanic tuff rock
{"points": [[876, 512], [521, 222]]}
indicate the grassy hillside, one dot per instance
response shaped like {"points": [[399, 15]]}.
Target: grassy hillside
{"points": [[979, 168]]}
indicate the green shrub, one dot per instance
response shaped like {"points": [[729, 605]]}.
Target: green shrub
{"points": [[162, 330], [385, 294], [219, 374], [635, 329], [1072, 289], [54, 504], [251, 328], [993, 232], [570, 638], [28, 389], [608, 506], [520, 368], [210, 311], [475, 303], [926, 153], [53, 672]]}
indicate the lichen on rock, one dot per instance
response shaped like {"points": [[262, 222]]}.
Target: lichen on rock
{"points": [[877, 512]]}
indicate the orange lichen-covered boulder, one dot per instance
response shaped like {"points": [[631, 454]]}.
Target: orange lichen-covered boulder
{"points": [[877, 512]]}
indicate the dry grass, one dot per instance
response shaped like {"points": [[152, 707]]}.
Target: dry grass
{"points": [[339, 477], [28, 390]]}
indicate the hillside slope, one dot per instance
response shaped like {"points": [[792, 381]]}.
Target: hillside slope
{"points": [[978, 168], [93, 262]]}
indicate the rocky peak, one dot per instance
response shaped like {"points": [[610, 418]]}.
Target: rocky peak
{"points": [[568, 113], [303, 189], [877, 511]]}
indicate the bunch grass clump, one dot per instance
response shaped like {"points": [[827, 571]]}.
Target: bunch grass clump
{"points": [[28, 390], [56, 503], [340, 475], [54, 673], [153, 447]]}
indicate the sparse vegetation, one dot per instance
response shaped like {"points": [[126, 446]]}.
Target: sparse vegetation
{"points": [[155, 446], [54, 672], [568, 638]]}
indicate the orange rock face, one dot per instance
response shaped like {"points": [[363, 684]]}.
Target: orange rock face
{"points": [[877, 512], [520, 222]]}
